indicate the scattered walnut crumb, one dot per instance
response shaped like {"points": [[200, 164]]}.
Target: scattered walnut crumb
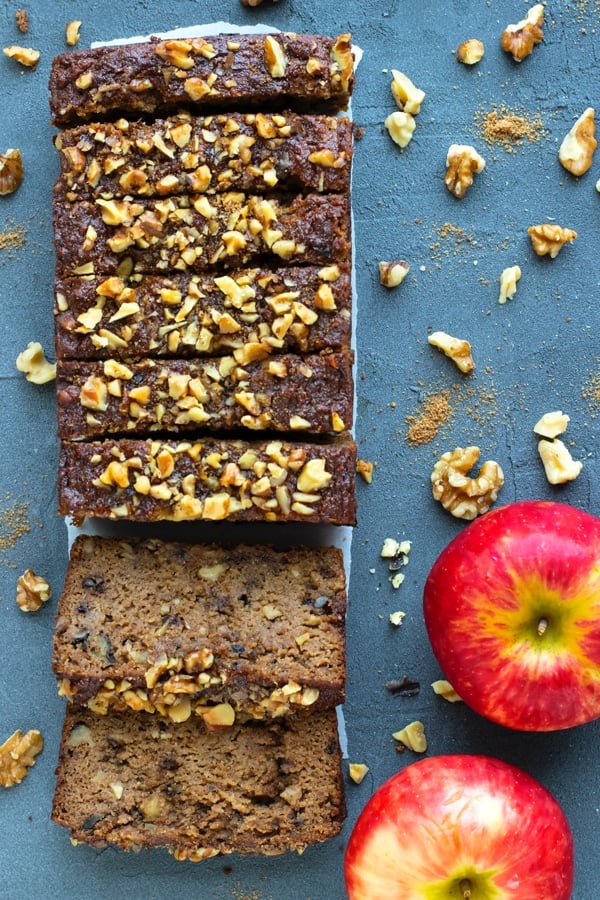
{"points": [[12, 237], [502, 126], [17, 754], [22, 18], [357, 772], [412, 737], [365, 469], [444, 689], [32, 591]]}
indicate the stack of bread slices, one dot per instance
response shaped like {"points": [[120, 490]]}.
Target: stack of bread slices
{"points": [[203, 321]]}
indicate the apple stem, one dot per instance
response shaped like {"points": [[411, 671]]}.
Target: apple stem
{"points": [[542, 626], [465, 886]]}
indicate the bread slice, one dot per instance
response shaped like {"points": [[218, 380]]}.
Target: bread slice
{"points": [[134, 781], [191, 629]]}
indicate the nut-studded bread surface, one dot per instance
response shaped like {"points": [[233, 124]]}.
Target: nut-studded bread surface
{"points": [[198, 232], [220, 72], [302, 394], [209, 479], [248, 312], [190, 629], [134, 781], [186, 154]]}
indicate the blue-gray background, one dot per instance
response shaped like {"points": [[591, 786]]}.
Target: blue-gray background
{"points": [[536, 353]]}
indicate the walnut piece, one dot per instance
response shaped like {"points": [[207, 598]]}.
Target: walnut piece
{"points": [[22, 20], [357, 772], [364, 467], [11, 171], [17, 754], [444, 689], [508, 283], [559, 465], [32, 591], [24, 55], [32, 361], [412, 737], [548, 239], [463, 496], [391, 274], [72, 32], [458, 350], [400, 126], [470, 52], [577, 149], [408, 97], [520, 39], [397, 617], [463, 162], [552, 424]]}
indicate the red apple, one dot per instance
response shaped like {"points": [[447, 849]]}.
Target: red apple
{"points": [[512, 609], [460, 827]]}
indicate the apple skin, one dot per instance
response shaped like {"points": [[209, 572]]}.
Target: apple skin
{"points": [[445, 819], [512, 610]]}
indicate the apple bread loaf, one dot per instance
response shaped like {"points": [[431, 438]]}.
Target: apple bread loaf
{"points": [[309, 394], [241, 71], [186, 154], [247, 312], [196, 233], [210, 479], [137, 782], [223, 633]]}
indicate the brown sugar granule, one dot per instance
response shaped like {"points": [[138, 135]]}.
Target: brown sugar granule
{"points": [[590, 391], [422, 429], [14, 522], [500, 125], [22, 18], [12, 237]]}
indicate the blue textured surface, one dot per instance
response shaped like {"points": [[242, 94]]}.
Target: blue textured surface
{"points": [[536, 353]]}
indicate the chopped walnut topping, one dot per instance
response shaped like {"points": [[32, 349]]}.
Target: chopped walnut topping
{"points": [[470, 52], [32, 361], [24, 55], [365, 469], [462, 162], [32, 591], [408, 97], [17, 754], [11, 171], [391, 274], [412, 737], [72, 32], [220, 716], [577, 149], [548, 239], [444, 689], [559, 465], [463, 496], [400, 126], [357, 772], [458, 350], [275, 58], [520, 39], [508, 283], [552, 424]]}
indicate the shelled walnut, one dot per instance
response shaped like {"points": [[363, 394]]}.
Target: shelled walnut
{"points": [[456, 349], [551, 424], [32, 361], [17, 754], [559, 465], [400, 126], [72, 32], [412, 737], [576, 152], [508, 283], [520, 39], [463, 496], [32, 591], [470, 52], [463, 162], [391, 274], [548, 239], [11, 171], [27, 56], [408, 97]]}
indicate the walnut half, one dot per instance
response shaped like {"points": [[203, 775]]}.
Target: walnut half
{"points": [[11, 171], [463, 496], [520, 39], [32, 591], [17, 754], [463, 162], [577, 149], [548, 239]]}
